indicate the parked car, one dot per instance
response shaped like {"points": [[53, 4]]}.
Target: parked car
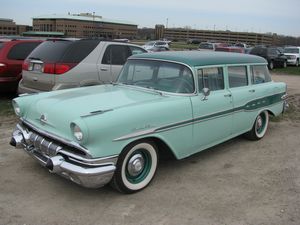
{"points": [[241, 45], [12, 54], [60, 64], [168, 102], [293, 55], [158, 49], [274, 57], [152, 44], [210, 46], [193, 41], [230, 49]]}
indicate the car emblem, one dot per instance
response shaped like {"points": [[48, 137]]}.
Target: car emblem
{"points": [[43, 119]]}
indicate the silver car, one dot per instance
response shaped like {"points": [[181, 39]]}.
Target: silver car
{"points": [[61, 64]]}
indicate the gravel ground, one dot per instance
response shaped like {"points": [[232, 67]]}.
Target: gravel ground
{"points": [[239, 182]]}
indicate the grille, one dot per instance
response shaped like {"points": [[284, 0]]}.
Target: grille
{"points": [[46, 146]]}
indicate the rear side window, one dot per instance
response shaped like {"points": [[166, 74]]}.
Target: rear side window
{"points": [[22, 50], [237, 76], [1, 45], [260, 74], [116, 55], [79, 50], [211, 78]]}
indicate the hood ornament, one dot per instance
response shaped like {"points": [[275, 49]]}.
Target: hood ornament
{"points": [[43, 119]]}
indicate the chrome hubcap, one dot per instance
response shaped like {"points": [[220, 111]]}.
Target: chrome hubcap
{"points": [[136, 165], [259, 123]]}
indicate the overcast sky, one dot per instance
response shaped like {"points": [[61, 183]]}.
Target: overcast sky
{"points": [[262, 16]]}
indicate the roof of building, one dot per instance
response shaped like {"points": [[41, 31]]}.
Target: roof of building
{"points": [[43, 33], [202, 58], [82, 17]]}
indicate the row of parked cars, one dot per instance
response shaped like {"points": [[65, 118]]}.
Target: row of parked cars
{"points": [[34, 65], [276, 57], [31, 65]]}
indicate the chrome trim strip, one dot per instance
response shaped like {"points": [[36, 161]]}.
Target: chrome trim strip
{"points": [[284, 97], [36, 61], [96, 113], [50, 135]]}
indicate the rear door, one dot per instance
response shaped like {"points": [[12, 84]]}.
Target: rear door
{"points": [[242, 93], [113, 59]]}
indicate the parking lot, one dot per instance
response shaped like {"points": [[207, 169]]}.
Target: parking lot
{"points": [[239, 182]]}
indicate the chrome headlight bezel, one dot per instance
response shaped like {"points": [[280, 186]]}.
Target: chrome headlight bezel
{"points": [[17, 108], [77, 132]]}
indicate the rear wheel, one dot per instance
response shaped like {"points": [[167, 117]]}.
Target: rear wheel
{"points": [[271, 65], [260, 126], [136, 167]]}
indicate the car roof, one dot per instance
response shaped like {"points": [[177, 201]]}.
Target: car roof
{"points": [[201, 58]]}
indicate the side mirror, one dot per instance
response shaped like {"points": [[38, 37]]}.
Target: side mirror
{"points": [[206, 92]]}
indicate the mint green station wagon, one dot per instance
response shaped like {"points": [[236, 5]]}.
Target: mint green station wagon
{"points": [[169, 102]]}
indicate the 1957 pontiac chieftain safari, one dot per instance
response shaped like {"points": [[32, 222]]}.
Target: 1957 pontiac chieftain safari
{"points": [[178, 102]]}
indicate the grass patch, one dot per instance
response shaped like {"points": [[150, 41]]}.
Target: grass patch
{"points": [[290, 70]]}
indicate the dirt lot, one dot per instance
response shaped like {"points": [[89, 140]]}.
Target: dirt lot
{"points": [[237, 183]]}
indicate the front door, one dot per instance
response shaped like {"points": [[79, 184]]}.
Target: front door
{"points": [[212, 114]]}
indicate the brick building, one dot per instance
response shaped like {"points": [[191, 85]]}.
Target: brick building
{"points": [[9, 28], [84, 25]]}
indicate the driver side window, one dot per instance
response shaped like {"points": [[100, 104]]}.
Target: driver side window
{"points": [[212, 78]]}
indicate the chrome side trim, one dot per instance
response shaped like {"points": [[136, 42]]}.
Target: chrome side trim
{"points": [[284, 97], [52, 136], [195, 120]]}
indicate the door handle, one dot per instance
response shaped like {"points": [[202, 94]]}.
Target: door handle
{"points": [[227, 95], [103, 69], [252, 91]]}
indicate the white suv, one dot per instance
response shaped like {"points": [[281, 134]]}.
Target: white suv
{"points": [[61, 64], [151, 44], [293, 55]]}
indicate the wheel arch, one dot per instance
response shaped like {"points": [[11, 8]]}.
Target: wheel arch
{"points": [[164, 150]]}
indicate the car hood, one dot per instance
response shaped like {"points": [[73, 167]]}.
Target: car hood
{"points": [[59, 108]]}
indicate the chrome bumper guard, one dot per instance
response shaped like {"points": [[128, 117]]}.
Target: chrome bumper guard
{"points": [[285, 103], [90, 173]]}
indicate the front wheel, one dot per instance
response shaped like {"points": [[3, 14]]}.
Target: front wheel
{"points": [[284, 64], [260, 126], [136, 167]]}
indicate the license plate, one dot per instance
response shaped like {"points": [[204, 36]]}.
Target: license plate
{"points": [[35, 67]]}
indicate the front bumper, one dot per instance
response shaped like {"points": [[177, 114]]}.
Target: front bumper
{"points": [[91, 173], [292, 61]]}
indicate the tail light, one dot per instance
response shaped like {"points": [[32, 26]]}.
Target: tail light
{"points": [[58, 68], [25, 65], [3, 68]]}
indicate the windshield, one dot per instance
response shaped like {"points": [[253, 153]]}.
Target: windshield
{"points": [[291, 50], [157, 75]]}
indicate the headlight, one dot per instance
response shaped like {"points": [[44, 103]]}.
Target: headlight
{"points": [[16, 108], [77, 132]]}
